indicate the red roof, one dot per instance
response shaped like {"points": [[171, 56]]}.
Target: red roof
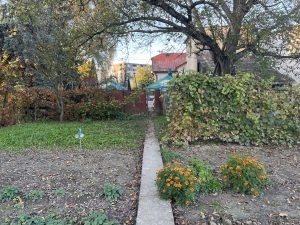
{"points": [[165, 61]]}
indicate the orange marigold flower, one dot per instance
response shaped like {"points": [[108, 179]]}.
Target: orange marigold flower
{"points": [[263, 177], [225, 178], [176, 178], [186, 183], [232, 171], [168, 184], [238, 168], [177, 163], [171, 182], [179, 185]]}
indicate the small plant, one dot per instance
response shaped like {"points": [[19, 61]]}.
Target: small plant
{"points": [[112, 192], [177, 183], [244, 174], [208, 183], [97, 218], [9, 193], [60, 192], [35, 195], [36, 220], [169, 156]]}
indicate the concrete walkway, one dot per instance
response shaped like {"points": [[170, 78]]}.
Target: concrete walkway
{"points": [[152, 210]]}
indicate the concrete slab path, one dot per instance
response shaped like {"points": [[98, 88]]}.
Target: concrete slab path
{"points": [[152, 210]]}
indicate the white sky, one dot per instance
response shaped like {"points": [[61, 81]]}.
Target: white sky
{"points": [[141, 52]]}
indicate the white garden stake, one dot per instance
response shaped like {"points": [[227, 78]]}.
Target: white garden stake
{"points": [[79, 136]]}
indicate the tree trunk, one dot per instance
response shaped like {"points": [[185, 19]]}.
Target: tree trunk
{"points": [[61, 115], [223, 66], [2, 122], [60, 102]]}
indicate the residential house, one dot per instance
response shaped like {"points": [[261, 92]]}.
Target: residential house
{"points": [[200, 61], [163, 63]]}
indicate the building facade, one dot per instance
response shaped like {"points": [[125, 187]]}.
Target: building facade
{"points": [[123, 71]]}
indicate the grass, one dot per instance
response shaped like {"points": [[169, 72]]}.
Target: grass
{"points": [[115, 134]]}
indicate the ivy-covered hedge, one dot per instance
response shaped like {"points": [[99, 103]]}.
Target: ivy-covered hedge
{"points": [[241, 109]]}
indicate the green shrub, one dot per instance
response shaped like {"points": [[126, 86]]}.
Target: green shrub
{"points": [[101, 110], [112, 192], [160, 123], [169, 156], [97, 218], [244, 174], [9, 193], [207, 182], [241, 109], [35, 195], [177, 183]]}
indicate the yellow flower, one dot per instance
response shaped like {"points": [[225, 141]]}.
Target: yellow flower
{"points": [[176, 178], [187, 202], [256, 193], [246, 183], [186, 183], [171, 182], [168, 184], [192, 189]]}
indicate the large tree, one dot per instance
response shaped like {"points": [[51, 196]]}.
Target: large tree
{"points": [[47, 39], [229, 29]]}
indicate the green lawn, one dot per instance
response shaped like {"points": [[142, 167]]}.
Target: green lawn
{"points": [[117, 134]]}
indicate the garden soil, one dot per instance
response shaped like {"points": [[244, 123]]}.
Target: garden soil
{"points": [[279, 204], [79, 175]]}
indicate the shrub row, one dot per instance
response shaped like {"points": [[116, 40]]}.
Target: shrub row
{"points": [[39, 103], [240, 109]]}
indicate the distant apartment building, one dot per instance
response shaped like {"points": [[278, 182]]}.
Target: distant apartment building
{"points": [[122, 71]]}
